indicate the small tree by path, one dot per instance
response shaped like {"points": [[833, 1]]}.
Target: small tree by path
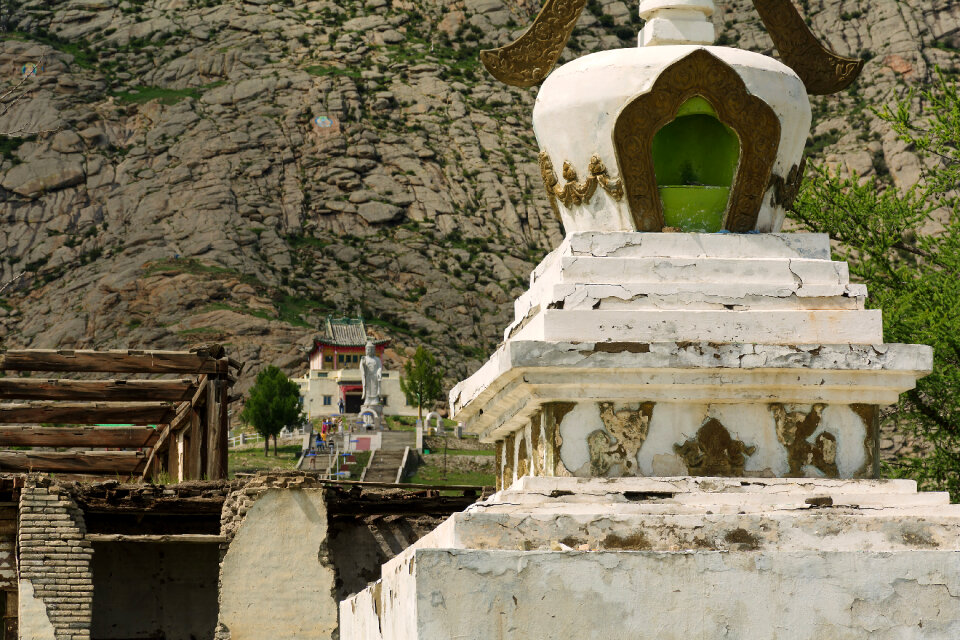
{"points": [[422, 380], [274, 403]]}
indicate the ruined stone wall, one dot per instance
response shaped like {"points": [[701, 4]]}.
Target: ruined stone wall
{"points": [[296, 555], [56, 583], [275, 556]]}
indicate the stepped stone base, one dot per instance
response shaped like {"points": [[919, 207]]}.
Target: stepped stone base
{"points": [[652, 354], [677, 558]]}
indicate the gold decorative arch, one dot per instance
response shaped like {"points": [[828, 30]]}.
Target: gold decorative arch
{"points": [[753, 120]]}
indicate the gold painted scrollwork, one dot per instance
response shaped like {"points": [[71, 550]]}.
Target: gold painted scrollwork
{"points": [[574, 192], [714, 452], [529, 59], [785, 190], [756, 124], [822, 71]]}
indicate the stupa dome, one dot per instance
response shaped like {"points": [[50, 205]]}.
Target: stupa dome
{"points": [[692, 137], [675, 134]]}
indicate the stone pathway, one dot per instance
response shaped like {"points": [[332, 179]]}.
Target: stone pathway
{"points": [[386, 461]]}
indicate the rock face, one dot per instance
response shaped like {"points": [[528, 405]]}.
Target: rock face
{"points": [[181, 190]]}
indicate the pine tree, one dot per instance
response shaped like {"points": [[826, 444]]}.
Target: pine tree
{"points": [[912, 274], [274, 403], [422, 380]]}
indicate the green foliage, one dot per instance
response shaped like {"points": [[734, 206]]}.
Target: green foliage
{"points": [[422, 380], [913, 276], [320, 70], [83, 55], [164, 96], [9, 145], [274, 403]]}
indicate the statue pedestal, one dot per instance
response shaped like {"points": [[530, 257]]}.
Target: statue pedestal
{"points": [[376, 410]]}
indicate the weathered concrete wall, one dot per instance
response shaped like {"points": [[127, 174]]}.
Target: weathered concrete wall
{"points": [[56, 584], [275, 579], [358, 547], [153, 591], [498, 595]]}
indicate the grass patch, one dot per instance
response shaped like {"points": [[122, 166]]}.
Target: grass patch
{"points": [[252, 460], [433, 474], [198, 330], [438, 453], [320, 70], [9, 144], [4, 305], [290, 308], [303, 242], [247, 311], [82, 54], [184, 265], [161, 95], [409, 423]]}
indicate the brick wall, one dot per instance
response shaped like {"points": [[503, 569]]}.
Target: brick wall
{"points": [[55, 559]]}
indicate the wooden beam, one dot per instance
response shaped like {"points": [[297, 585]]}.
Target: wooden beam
{"points": [[114, 437], [212, 416], [115, 390], [87, 412], [129, 361], [182, 418], [201, 391], [193, 538], [92, 462], [194, 464]]}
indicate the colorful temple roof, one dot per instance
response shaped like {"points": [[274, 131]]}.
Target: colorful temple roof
{"points": [[345, 332]]}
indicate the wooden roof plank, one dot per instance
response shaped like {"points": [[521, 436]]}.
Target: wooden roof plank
{"points": [[92, 462], [78, 390], [114, 437], [106, 413], [126, 361]]}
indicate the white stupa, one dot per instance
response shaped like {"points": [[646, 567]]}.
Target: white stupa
{"points": [[686, 405]]}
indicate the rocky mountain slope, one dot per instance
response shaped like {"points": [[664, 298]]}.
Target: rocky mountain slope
{"points": [[180, 190]]}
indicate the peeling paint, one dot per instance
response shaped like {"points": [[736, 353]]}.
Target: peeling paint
{"points": [[870, 416], [793, 430], [509, 448], [629, 427], [632, 542], [554, 413]]}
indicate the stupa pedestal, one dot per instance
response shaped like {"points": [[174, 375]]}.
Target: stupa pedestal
{"points": [[674, 559], [641, 362]]}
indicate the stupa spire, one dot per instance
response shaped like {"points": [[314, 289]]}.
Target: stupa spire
{"points": [[676, 22]]}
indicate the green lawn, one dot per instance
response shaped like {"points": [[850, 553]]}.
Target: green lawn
{"points": [[433, 474], [438, 452], [252, 460]]}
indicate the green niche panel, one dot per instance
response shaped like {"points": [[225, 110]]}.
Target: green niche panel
{"points": [[695, 159]]}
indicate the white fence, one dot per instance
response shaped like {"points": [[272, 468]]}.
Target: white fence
{"points": [[253, 438]]}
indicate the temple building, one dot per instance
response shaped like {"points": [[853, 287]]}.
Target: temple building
{"points": [[334, 373]]}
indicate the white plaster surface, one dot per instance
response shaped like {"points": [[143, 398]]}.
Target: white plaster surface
{"points": [[677, 558], [758, 327], [579, 103], [501, 396], [670, 596], [273, 583], [809, 246], [33, 621]]}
